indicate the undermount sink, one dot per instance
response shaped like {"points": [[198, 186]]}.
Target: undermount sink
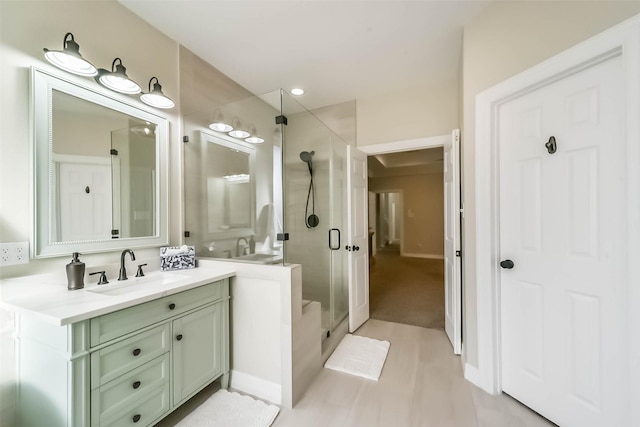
{"points": [[138, 284]]}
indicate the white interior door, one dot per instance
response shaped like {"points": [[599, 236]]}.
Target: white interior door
{"points": [[452, 264], [358, 236], [564, 327], [85, 201]]}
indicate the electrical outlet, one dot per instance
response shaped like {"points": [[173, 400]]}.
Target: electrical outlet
{"points": [[14, 253]]}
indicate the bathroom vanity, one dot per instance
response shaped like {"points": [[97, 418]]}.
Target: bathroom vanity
{"points": [[118, 354]]}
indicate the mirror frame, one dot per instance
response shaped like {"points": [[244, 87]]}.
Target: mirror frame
{"points": [[42, 246], [228, 142]]}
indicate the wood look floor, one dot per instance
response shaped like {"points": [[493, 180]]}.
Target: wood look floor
{"points": [[421, 385]]}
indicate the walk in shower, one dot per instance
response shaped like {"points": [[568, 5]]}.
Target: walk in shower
{"points": [[265, 182]]}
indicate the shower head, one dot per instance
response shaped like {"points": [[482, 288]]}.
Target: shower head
{"points": [[306, 156]]}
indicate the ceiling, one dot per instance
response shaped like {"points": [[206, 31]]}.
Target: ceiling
{"points": [[335, 50], [415, 162]]}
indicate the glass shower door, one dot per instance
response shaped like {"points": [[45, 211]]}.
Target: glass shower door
{"points": [[315, 217]]}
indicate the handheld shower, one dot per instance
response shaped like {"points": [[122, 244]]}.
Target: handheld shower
{"points": [[306, 157], [312, 220]]}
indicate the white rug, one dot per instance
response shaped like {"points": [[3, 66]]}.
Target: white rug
{"points": [[230, 409], [359, 356]]}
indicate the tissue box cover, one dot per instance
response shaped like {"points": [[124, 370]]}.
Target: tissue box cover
{"points": [[177, 258]]}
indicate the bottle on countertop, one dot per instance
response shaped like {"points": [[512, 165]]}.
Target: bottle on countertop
{"points": [[75, 273], [252, 245]]}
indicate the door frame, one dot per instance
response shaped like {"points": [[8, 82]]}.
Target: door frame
{"points": [[419, 144], [623, 40]]}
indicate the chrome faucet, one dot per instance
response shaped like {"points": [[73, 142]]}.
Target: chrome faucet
{"points": [[246, 244], [123, 270]]}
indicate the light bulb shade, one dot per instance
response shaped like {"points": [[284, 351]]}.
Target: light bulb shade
{"points": [[155, 97], [69, 59], [117, 79], [221, 127], [254, 140], [239, 133]]}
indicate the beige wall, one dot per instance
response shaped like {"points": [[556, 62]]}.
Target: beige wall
{"points": [[505, 39], [408, 115], [26, 28], [422, 206]]}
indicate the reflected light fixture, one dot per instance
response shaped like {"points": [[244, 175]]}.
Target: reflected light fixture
{"points": [[69, 58], [237, 132], [155, 97], [219, 125], [241, 177], [254, 138], [117, 79], [147, 129], [297, 91]]}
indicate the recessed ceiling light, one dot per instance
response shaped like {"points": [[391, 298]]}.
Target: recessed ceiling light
{"points": [[297, 92]]}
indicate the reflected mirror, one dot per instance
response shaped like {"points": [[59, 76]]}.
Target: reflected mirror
{"points": [[100, 171], [229, 192]]}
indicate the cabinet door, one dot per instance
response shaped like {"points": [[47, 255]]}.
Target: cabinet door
{"points": [[197, 350]]}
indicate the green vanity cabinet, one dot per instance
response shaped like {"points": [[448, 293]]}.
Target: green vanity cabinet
{"points": [[130, 367]]}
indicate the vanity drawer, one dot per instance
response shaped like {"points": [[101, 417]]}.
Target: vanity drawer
{"points": [[118, 323], [113, 399], [121, 357], [143, 411]]}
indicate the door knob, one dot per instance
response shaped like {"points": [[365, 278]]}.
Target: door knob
{"points": [[348, 248], [356, 248], [507, 263]]}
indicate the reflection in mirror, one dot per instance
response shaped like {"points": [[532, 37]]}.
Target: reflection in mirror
{"points": [[99, 167], [230, 207]]}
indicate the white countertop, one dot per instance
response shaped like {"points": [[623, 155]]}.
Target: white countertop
{"points": [[47, 298]]}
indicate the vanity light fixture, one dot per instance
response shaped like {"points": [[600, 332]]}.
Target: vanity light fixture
{"points": [[155, 97], [69, 58], [117, 79], [297, 91]]}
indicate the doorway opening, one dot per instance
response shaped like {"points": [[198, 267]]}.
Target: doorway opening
{"points": [[406, 208]]}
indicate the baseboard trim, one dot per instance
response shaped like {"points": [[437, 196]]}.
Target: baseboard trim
{"points": [[429, 256], [257, 387]]}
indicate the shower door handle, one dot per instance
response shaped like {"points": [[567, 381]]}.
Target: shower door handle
{"points": [[332, 247]]}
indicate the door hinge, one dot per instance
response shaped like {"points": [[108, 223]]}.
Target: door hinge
{"points": [[458, 253], [113, 152], [185, 138], [281, 120], [187, 234]]}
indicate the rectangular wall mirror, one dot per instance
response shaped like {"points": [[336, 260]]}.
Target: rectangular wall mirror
{"points": [[230, 188], [100, 171]]}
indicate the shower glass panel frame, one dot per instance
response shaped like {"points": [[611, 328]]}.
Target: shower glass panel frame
{"points": [[280, 181]]}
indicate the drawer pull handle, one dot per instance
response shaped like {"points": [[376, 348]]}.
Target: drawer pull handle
{"points": [[172, 306], [136, 418], [137, 384], [179, 337], [137, 351]]}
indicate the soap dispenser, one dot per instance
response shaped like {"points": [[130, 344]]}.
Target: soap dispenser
{"points": [[252, 245], [75, 273]]}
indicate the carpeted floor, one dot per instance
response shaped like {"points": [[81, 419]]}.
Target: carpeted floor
{"points": [[406, 290]]}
